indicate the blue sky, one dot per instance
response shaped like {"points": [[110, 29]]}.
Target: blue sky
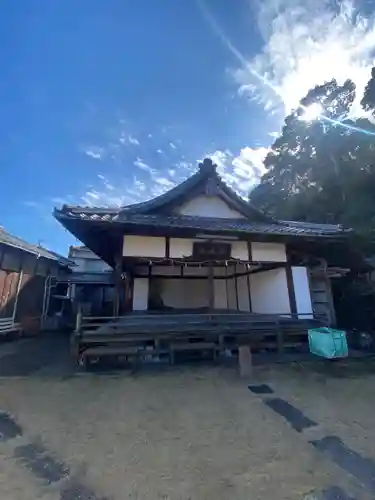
{"points": [[111, 102]]}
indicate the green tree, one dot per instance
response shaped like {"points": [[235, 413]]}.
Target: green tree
{"points": [[323, 170], [368, 99], [304, 154]]}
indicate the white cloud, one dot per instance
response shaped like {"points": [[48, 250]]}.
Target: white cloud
{"points": [[249, 163], [139, 163], [172, 145], [133, 140], [95, 152], [305, 44], [243, 171]]}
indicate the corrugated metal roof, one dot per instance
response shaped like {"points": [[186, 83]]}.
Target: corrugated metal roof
{"points": [[15, 242]]}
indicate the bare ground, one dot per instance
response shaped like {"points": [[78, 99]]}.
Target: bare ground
{"points": [[192, 433]]}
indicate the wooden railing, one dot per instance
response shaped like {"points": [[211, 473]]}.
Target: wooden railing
{"points": [[90, 323]]}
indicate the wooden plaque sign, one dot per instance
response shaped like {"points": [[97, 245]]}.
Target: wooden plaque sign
{"points": [[207, 250]]}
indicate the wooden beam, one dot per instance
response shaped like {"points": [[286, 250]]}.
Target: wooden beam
{"points": [[266, 267], [250, 256], [291, 291], [167, 247]]}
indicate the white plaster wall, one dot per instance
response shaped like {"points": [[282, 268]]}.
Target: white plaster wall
{"points": [[209, 206], [140, 294], [268, 252], [243, 294], [269, 292], [143, 246], [302, 292], [180, 247], [220, 294], [184, 294], [240, 250]]}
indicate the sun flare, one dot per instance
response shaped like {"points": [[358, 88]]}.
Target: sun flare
{"points": [[312, 112]]}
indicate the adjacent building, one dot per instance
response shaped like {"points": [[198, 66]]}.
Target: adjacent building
{"points": [[28, 273]]}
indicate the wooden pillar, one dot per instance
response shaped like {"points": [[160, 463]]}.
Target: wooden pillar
{"points": [[117, 279], [79, 319], [211, 291], [249, 291], [331, 304], [226, 286], [236, 286], [245, 361], [291, 291]]}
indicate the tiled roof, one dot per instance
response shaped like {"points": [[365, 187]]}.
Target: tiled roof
{"points": [[206, 178], [15, 242], [208, 223], [159, 211], [243, 225]]}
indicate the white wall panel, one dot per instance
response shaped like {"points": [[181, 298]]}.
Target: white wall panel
{"points": [[302, 292], [209, 206], [140, 294], [269, 292], [143, 246], [268, 252], [180, 247], [240, 250]]}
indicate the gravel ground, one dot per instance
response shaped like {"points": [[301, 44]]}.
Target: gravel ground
{"points": [[189, 433], [339, 396]]}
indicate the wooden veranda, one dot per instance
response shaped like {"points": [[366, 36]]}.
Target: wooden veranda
{"points": [[140, 336]]}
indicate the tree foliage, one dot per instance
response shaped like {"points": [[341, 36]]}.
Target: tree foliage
{"points": [[323, 170]]}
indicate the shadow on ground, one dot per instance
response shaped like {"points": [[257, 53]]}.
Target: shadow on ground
{"points": [[341, 368], [48, 353]]}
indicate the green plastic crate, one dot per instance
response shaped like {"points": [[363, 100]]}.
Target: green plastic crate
{"points": [[328, 343]]}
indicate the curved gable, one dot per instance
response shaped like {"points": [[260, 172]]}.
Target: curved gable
{"points": [[203, 194]]}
